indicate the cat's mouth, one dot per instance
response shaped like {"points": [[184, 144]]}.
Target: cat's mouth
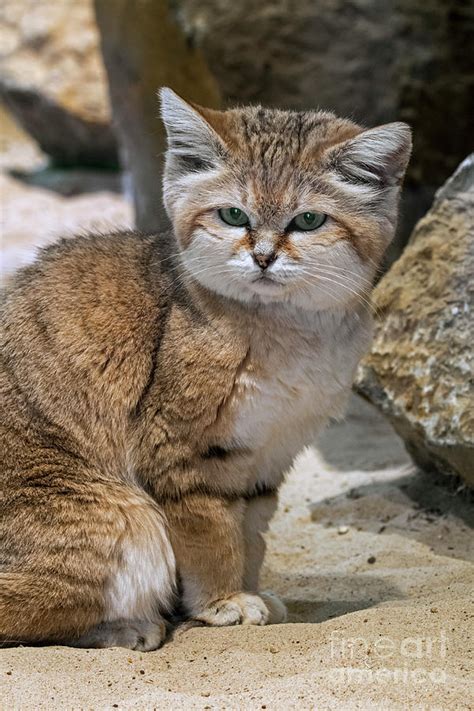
{"points": [[266, 279], [267, 285]]}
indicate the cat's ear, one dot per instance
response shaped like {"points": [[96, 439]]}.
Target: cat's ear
{"points": [[376, 157], [193, 143]]}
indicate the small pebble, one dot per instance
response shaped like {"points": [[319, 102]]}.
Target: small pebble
{"points": [[371, 559], [342, 530]]}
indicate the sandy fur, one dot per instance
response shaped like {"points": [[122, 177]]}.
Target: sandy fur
{"points": [[154, 393]]}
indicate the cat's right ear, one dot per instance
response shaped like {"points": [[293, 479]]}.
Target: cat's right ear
{"points": [[193, 144], [377, 157]]}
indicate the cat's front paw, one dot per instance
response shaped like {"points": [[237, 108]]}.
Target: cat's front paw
{"points": [[275, 606], [243, 609]]}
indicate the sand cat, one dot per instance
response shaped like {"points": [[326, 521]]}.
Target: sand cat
{"points": [[155, 388]]}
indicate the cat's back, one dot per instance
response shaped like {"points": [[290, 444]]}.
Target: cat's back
{"points": [[78, 328], [102, 289], [87, 278]]}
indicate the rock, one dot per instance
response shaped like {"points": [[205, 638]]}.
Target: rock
{"points": [[53, 79], [369, 60], [419, 372], [18, 151]]}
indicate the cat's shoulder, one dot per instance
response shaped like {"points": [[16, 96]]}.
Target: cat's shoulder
{"points": [[100, 252], [105, 280], [96, 262]]}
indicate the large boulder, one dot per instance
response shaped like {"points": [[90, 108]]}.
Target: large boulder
{"points": [[419, 372], [53, 79], [371, 60]]}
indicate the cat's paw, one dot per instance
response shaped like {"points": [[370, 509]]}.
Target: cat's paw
{"points": [[132, 634], [242, 609], [275, 606]]}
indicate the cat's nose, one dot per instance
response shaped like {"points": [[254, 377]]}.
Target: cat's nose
{"points": [[264, 259]]}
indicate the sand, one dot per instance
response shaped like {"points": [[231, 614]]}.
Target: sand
{"points": [[373, 558]]}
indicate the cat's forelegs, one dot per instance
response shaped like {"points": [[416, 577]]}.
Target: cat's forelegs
{"points": [[259, 510], [258, 513], [209, 546]]}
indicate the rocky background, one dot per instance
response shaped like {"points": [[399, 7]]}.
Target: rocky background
{"points": [[53, 79], [370, 60], [420, 370]]}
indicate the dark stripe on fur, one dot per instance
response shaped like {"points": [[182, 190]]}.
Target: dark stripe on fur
{"points": [[202, 490], [260, 489], [216, 452]]}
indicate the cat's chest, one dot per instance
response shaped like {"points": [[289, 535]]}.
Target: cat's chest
{"points": [[289, 383]]}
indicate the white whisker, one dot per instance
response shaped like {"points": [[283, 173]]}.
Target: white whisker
{"points": [[360, 296]]}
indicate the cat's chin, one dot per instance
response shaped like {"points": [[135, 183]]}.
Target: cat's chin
{"points": [[261, 290], [268, 291], [264, 291], [267, 286]]}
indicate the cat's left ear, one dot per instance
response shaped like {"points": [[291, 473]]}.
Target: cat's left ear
{"points": [[193, 143], [377, 157]]}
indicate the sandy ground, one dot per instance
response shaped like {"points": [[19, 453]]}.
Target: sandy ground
{"points": [[373, 558]]}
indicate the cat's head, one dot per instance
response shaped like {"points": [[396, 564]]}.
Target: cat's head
{"points": [[278, 206]]}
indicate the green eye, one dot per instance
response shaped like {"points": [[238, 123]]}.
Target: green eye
{"points": [[233, 216], [307, 221]]}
